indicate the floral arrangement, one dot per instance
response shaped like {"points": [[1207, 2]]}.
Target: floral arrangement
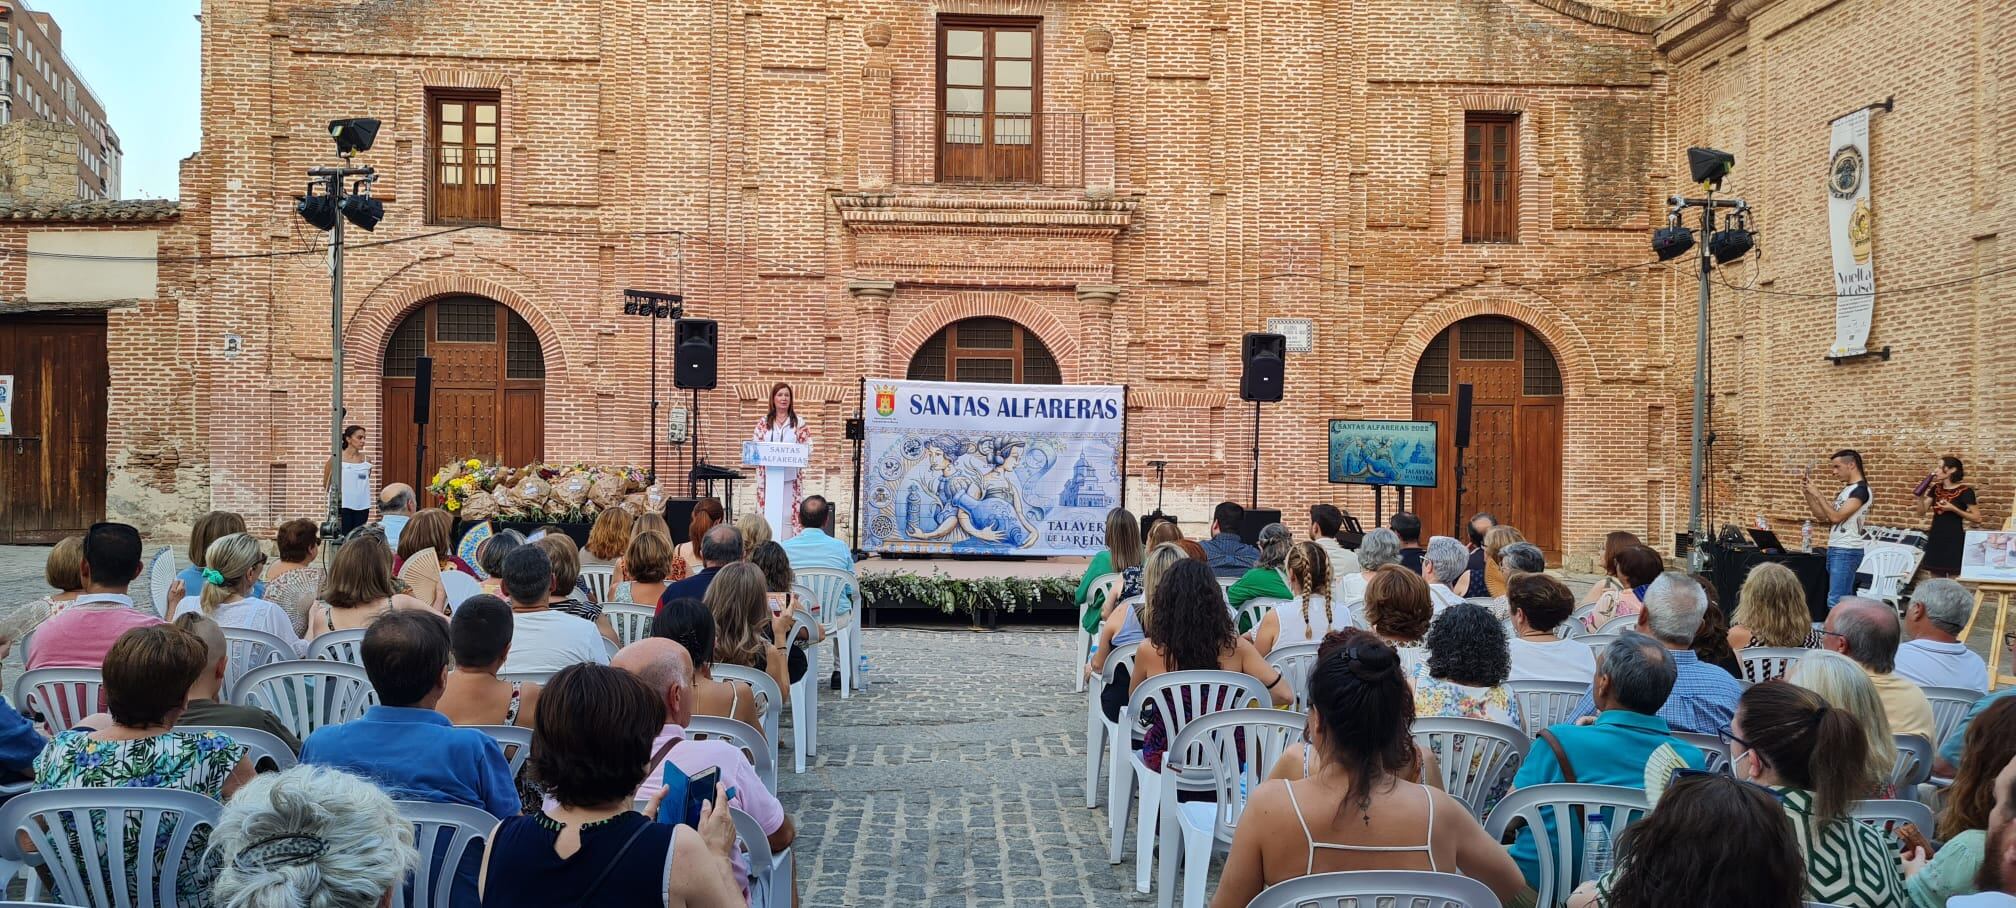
{"points": [[538, 493], [949, 595]]}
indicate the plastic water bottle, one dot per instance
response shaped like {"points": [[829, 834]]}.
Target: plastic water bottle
{"points": [[861, 673], [1596, 858]]}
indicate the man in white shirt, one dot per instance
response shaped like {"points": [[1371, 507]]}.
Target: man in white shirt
{"points": [[543, 639], [1441, 563], [1934, 656], [1325, 522]]}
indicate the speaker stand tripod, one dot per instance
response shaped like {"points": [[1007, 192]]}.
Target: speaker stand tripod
{"points": [[1256, 455]]}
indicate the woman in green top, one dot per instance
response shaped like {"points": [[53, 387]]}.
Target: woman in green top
{"points": [[1265, 579], [1977, 796], [1122, 556]]}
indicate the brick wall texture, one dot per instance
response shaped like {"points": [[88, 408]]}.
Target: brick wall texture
{"points": [[1208, 164]]}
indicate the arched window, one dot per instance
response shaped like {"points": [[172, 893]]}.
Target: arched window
{"points": [[489, 388], [985, 350]]}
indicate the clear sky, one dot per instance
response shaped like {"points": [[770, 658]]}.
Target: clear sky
{"points": [[143, 58]]}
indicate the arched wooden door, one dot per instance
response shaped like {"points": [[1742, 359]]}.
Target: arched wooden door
{"points": [[1513, 464], [489, 388]]}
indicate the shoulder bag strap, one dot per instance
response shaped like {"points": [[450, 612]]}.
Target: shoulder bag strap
{"points": [[587, 895], [1567, 769], [666, 748]]}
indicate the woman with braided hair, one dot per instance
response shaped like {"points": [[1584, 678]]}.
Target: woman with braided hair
{"points": [[1311, 615]]}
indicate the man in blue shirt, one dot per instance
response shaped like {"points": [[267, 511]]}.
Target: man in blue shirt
{"points": [[721, 547], [814, 548], [1704, 696], [1228, 554], [395, 507], [1634, 677]]}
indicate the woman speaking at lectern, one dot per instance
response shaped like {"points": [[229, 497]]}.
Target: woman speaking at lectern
{"points": [[781, 423]]}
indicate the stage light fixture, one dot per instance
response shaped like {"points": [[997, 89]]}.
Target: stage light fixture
{"points": [[318, 210], [362, 211], [629, 307], [1729, 245], [353, 136], [1709, 165], [1672, 241]]}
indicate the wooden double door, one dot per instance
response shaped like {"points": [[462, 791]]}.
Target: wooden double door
{"points": [[489, 389], [52, 461], [1513, 464]]}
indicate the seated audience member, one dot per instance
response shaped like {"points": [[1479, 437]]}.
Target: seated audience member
{"points": [[1378, 549], [1704, 697], [1867, 631], [434, 529], [1978, 793], [1352, 811], [607, 539], [1843, 685], [569, 593], [1228, 554], [707, 514], [1816, 759], [1398, 609], [1192, 631], [293, 581], [1934, 656], [311, 837], [1408, 528], [62, 570], [1326, 523], [1474, 557], [1515, 558], [592, 747], [235, 564], [663, 666], [1997, 880], [1124, 627], [688, 623], [814, 548], [1539, 604], [1496, 540], [754, 528], [1464, 674], [1122, 555], [204, 708], [479, 640], [19, 745], [1633, 680], [1771, 611], [1614, 543], [1636, 568], [1310, 614], [1194, 550], [721, 547], [1164, 530], [490, 557], [148, 673], [778, 579], [359, 587], [209, 528], [1441, 565], [395, 510], [1711, 640], [1676, 854], [745, 633], [80, 635], [1948, 762], [646, 564], [1264, 580], [406, 655], [543, 640]]}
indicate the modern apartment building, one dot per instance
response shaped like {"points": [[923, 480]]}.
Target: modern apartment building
{"points": [[37, 82]]}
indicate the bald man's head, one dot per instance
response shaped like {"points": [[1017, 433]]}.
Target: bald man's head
{"points": [[1869, 632], [396, 498], [665, 667]]}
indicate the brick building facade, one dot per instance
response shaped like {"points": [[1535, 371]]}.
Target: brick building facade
{"points": [[1456, 191]]}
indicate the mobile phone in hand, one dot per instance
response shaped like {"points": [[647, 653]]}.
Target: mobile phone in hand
{"points": [[685, 794]]}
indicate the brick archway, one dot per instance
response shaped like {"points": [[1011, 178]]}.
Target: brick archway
{"points": [[1030, 315], [369, 329], [1538, 314]]}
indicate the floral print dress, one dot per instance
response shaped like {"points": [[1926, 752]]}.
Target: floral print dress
{"points": [[186, 762], [1437, 697]]}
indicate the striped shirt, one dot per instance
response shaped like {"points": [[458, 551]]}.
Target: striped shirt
{"points": [[1703, 698]]}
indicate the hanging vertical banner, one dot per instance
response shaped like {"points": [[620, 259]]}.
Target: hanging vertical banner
{"points": [[963, 468], [6, 404], [1852, 227]]}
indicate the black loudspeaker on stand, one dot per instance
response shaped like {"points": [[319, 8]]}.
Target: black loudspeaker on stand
{"points": [[1463, 393], [423, 412], [695, 355], [1263, 364]]}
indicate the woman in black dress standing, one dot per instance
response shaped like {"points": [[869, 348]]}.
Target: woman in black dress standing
{"points": [[1951, 503]]}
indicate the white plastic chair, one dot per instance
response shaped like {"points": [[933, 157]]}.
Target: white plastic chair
{"points": [[458, 588], [262, 747], [1179, 697], [433, 882], [1574, 626], [1714, 750], [1597, 642], [599, 578], [1618, 625], [1099, 733], [339, 646], [1914, 762], [1888, 815], [1889, 567], [1104, 588], [1949, 706], [1763, 663], [160, 576], [62, 696], [805, 698], [742, 737], [769, 699], [840, 610], [1474, 754], [1253, 610], [307, 694], [1559, 854], [537, 676], [770, 882], [1544, 703], [516, 742], [631, 620], [1369, 888], [1294, 661], [96, 872], [1210, 746], [250, 649]]}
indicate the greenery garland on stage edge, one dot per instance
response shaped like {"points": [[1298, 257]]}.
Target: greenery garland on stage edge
{"points": [[952, 595]]}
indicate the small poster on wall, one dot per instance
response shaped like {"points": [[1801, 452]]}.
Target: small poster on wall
{"points": [[6, 404], [1990, 557]]}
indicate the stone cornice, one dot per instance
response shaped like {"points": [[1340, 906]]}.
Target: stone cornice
{"points": [[1704, 24], [1608, 18], [875, 213]]}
